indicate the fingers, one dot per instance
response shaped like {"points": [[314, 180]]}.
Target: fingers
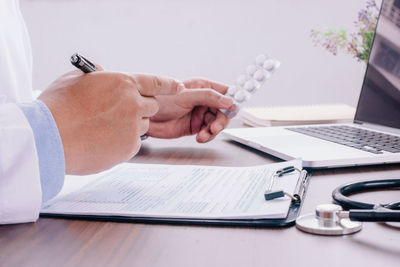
{"points": [[221, 88], [213, 125], [148, 106], [203, 83], [197, 119], [208, 118], [206, 97], [152, 85], [220, 123], [166, 129], [72, 73], [144, 126], [204, 135], [98, 67]]}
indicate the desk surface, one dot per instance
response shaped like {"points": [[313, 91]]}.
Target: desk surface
{"points": [[56, 242]]}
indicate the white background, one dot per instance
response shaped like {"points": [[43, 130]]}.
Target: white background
{"points": [[208, 38]]}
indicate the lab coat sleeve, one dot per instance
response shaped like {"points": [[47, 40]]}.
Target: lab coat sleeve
{"points": [[20, 189], [49, 147]]}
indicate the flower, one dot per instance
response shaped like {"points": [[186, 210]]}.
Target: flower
{"points": [[358, 44]]}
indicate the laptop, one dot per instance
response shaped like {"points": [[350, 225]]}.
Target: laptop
{"points": [[374, 135]]}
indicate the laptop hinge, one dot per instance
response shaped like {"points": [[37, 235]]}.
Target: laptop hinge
{"points": [[377, 127]]}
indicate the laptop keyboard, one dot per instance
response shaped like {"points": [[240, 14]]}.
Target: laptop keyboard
{"points": [[362, 139]]}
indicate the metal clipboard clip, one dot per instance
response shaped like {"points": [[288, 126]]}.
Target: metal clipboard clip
{"points": [[270, 194]]}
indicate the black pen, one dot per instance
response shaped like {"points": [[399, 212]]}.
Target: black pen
{"points": [[82, 63], [86, 66]]}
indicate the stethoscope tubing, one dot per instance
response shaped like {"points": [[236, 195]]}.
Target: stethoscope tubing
{"points": [[362, 211], [375, 215]]}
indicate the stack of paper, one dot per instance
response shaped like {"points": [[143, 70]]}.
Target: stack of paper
{"points": [[294, 115]]}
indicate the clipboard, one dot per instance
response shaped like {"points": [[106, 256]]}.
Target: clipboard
{"points": [[92, 199], [293, 213]]}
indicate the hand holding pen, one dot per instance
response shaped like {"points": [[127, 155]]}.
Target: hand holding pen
{"points": [[86, 66], [100, 116], [193, 111]]}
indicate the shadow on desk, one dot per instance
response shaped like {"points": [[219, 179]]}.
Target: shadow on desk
{"points": [[174, 155], [376, 246], [225, 153]]}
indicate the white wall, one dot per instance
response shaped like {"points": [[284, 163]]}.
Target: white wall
{"points": [[209, 38]]}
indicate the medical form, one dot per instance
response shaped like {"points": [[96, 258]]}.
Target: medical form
{"points": [[176, 191]]}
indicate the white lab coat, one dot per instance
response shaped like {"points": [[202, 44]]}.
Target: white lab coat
{"points": [[20, 189]]}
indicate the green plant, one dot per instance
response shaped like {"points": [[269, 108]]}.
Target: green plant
{"points": [[358, 44]]}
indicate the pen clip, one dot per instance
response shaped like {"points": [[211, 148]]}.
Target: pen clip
{"points": [[89, 62]]}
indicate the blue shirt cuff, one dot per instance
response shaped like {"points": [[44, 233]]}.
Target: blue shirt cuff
{"points": [[48, 146]]}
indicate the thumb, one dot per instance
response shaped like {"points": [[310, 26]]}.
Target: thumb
{"points": [[153, 85], [206, 97]]}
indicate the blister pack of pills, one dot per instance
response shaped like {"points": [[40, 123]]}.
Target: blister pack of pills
{"points": [[248, 83]]}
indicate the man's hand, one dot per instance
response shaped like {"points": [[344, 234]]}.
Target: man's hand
{"points": [[193, 111], [101, 115]]}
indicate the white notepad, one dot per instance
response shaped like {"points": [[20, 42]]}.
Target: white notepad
{"points": [[171, 191], [297, 115]]}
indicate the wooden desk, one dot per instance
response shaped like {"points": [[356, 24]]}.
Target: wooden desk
{"points": [[55, 242]]}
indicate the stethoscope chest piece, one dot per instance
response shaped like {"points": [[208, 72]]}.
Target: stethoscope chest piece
{"points": [[327, 221]]}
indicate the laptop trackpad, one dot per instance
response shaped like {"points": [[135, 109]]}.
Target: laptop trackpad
{"points": [[308, 148]]}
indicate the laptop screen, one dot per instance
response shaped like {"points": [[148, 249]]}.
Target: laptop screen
{"points": [[379, 101]]}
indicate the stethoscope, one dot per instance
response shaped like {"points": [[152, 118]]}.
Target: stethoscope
{"points": [[346, 218]]}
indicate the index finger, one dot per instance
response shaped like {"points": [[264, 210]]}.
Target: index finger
{"points": [[219, 87], [153, 85], [204, 83]]}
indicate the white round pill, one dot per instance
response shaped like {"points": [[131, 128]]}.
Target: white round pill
{"points": [[232, 90], [241, 80], [269, 65], [261, 75], [250, 85], [251, 69], [240, 96], [260, 59]]}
